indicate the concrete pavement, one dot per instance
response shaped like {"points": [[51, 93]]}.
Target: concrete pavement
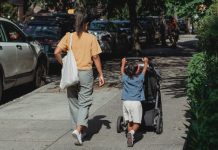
{"points": [[40, 120]]}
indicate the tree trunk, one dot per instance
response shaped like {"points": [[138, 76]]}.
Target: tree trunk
{"points": [[134, 28], [20, 13], [81, 3]]}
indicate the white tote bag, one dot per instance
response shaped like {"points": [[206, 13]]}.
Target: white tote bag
{"points": [[69, 72]]}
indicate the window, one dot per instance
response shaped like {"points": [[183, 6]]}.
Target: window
{"points": [[2, 38], [46, 31], [98, 26], [13, 34]]}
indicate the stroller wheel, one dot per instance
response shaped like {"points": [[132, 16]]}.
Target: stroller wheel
{"points": [[159, 126], [119, 124]]}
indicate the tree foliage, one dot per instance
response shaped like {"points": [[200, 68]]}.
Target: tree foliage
{"points": [[187, 8], [203, 86]]}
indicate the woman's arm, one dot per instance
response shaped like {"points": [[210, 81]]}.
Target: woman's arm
{"points": [[57, 54], [97, 62], [123, 63]]}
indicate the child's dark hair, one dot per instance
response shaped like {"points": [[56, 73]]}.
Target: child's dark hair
{"points": [[130, 69]]}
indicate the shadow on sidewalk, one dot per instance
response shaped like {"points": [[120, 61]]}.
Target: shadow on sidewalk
{"points": [[174, 76], [177, 88], [95, 124]]}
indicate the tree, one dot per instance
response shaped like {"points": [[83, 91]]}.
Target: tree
{"points": [[186, 8], [190, 10], [1, 7], [8, 10]]}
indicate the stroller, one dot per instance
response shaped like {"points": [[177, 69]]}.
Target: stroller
{"points": [[152, 107]]}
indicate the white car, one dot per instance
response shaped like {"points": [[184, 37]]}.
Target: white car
{"points": [[21, 59]]}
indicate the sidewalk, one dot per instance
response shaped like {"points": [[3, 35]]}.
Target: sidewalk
{"points": [[40, 120]]}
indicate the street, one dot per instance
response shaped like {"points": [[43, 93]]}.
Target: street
{"points": [[39, 120]]}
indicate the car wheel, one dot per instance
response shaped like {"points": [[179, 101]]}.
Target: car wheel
{"points": [[1, 88], [40, 75]]}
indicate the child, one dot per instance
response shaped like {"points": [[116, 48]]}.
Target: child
{"points": [[132, 95]]}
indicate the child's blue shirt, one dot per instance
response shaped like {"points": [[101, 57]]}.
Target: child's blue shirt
{"points": [[133, 88]]}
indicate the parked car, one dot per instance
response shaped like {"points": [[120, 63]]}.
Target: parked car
{"points": [[125, 30], [21, 59], [105, 38], [109, 36], [48, 30], [123, 25]]}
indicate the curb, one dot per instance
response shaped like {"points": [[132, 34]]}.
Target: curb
{"points": [[26, 95]]}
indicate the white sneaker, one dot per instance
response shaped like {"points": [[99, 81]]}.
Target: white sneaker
{"points": [[78, 137], [130, 139]]}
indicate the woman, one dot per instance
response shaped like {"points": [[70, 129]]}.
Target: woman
{"points": [[86, 51]]}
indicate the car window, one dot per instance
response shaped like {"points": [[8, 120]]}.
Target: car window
{"points": [[98, 26], [2, 38], [13, 33], [53, 32]]}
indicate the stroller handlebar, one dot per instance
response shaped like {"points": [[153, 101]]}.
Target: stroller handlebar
{"points": [[134, 58], [152, 65], [151, 61]]}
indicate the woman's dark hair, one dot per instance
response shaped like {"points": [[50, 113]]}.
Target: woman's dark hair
{"points": [[81, 18], [130, 69]]}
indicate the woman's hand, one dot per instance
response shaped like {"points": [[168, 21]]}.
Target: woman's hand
{"points": [[57, 54], [97, 62], [100, 80]]}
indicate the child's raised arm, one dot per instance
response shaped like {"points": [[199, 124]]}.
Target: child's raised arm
{"points": [[145, 65], [123, 63]]}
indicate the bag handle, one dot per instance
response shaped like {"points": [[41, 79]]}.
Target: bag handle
{"points": [[70, 48]]}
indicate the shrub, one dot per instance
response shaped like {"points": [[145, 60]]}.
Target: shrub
{"points": [[203, 102], [208, 30], [203, 86], [196, 76]]}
